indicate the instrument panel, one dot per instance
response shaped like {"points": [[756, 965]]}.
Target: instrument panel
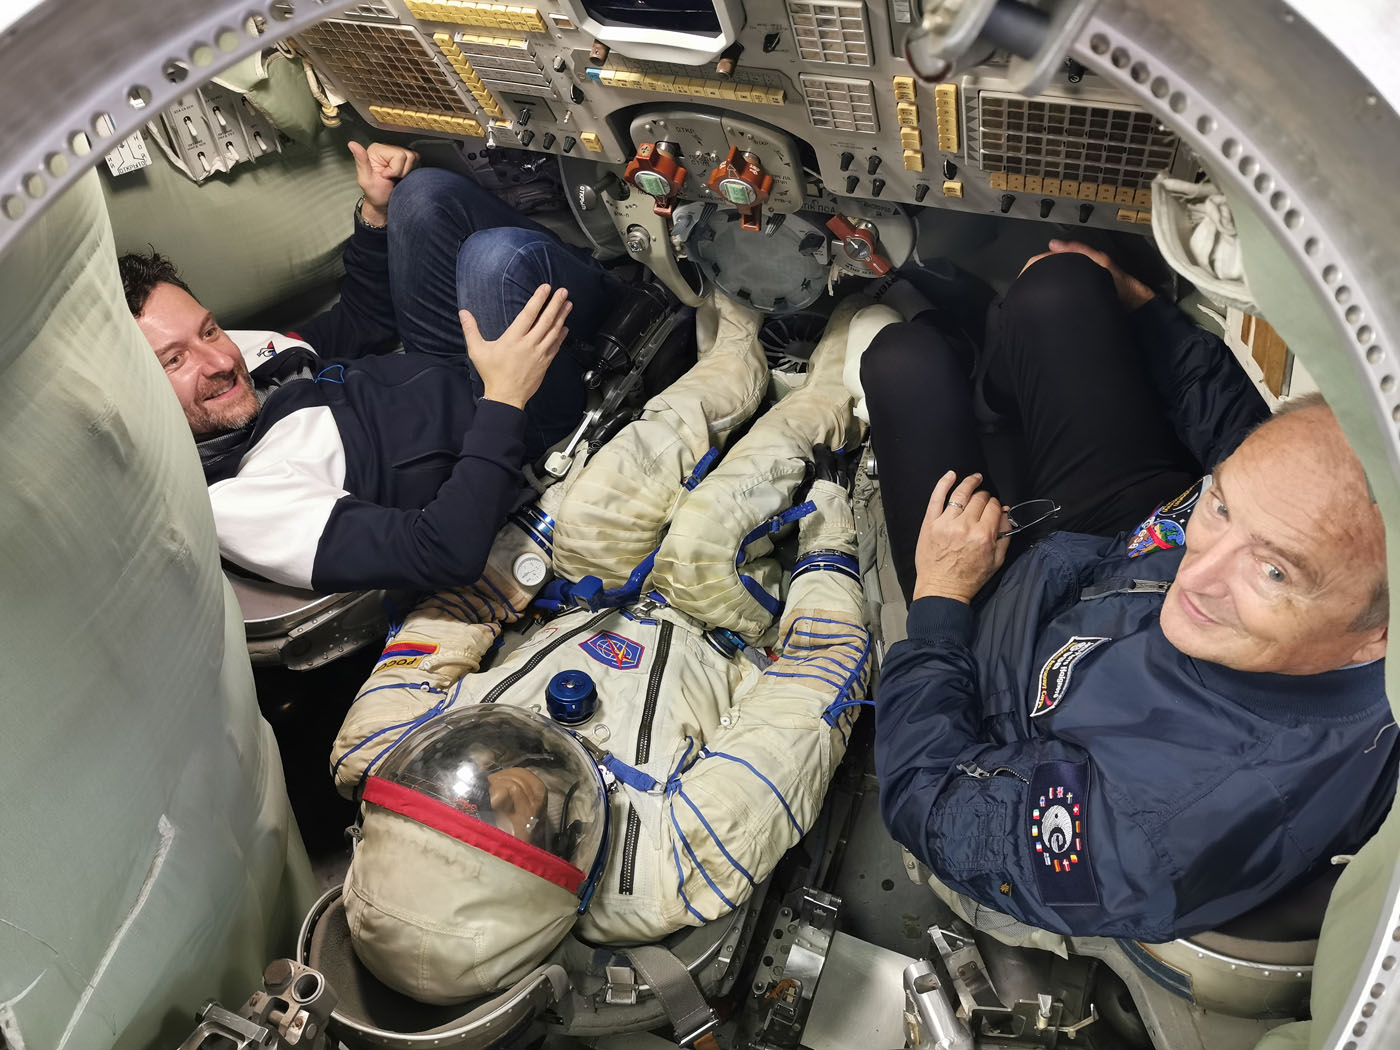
{"points": [[800, 105]]}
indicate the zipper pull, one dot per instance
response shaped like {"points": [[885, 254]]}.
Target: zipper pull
{"points": [[973, 770]]}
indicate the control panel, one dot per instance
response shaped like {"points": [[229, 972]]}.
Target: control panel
{"points": [[768, 107]]}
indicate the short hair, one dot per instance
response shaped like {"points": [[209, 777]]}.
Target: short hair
{"points": [[141, 274], [1376, 612]]}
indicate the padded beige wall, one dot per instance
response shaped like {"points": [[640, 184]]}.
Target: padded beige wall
{"points": [[148, 858], [248, 240]]}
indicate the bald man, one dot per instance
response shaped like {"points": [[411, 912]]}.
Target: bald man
{"points": [[1148, 735]]}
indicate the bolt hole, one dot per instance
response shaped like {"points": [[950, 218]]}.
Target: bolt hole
{"points": [[1099, 44], [1248, 166], [202, 55], [1293, 218], [1364, 334], [1120, 57], [1353, 314], [1374, 355], [1387, 384], [1206, 125], [1342, 295], [175, 71], [103, 125], [1263, 182], [12, 207], [56, 164], [1160, 87], [139, 97], [1330, 273], [34, 185], [1177, 102], [887, 884], [308, 984], [1278, 201], [768, 960], [1312, 245], [1139, 72], [1230, 148], [226, 39]]}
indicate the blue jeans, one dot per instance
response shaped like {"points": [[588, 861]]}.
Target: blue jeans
{"points": [[452, 245]]}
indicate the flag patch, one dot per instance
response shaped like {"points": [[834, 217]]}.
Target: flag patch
{"points": [[614, 651], [404, 654], [1058, 822]]}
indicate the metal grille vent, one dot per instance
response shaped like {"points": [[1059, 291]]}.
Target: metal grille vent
{"points": [[830, 31], [383, 65], [840, 103], [1069, 139]]}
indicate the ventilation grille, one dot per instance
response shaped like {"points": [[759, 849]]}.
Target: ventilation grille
{"points": [[840, 103], [386, 66], [830, 32], [1067, 139]]}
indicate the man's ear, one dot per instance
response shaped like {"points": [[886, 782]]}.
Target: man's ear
{"points": [[1372, 645]]}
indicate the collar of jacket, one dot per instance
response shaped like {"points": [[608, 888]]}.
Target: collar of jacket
{"points": [[1343, 695], [221, 454]]}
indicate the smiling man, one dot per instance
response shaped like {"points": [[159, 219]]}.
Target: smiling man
{"points": [[333, 465], [1147, 735]]}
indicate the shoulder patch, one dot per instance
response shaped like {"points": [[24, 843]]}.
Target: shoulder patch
{"points": [[1058, 824], [1165, 527], [1055, 675], [614, 651], [404, 654]]}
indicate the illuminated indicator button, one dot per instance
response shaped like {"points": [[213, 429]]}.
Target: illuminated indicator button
{"points": [[1127, 215], [997, 180], [737, 191], [651, 182], [952, 188], [907, 114], [911, 138], [904, 89], [913, 160], [591, 142], [1144, 217]]}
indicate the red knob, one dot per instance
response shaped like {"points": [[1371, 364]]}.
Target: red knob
{"points": [[859, 244], [657, 172], [742, 182]]}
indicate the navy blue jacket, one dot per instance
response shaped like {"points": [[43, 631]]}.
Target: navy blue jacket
{"points": [[1152, 795], [364, 470]]}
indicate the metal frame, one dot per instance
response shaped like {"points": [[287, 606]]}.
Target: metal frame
{"points": [[1234, 79]]}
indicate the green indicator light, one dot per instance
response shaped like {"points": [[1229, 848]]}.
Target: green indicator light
{"points": [[736, 191], [652, 183]]}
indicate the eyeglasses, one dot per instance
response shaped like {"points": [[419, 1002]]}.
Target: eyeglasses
{"points": [[1031, 512]]}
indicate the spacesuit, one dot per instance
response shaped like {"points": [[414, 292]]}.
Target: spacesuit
{"points": [[711, 758]]}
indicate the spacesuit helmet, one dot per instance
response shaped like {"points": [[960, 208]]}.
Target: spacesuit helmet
{"points": [[483, 835]]}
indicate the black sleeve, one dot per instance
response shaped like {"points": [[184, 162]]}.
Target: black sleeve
{"points": [[362, 322], [446, 543], [1211, 401]]}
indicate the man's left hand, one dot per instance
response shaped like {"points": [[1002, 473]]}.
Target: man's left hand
{"points": [[959, 547], [377, 169]]}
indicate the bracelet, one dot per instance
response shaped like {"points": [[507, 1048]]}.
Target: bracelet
{"points": [[360, 217]]}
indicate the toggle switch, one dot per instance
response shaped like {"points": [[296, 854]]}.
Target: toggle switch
{"points": [[847, 159], [872, 164], [950, 170], [877, 187], [1007, 199], [569, 143], [1085, 210], [920, 191], [526, 137], [1045, 205], [852, 181], [548, 141]]}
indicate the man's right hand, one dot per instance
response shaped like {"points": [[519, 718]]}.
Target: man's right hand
{"points": [[1132, 293], [513, 366]]}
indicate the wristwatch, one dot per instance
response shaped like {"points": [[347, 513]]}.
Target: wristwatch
{"points": [[360, 218]]}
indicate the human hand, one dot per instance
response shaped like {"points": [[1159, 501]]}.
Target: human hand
{"points": [[517, 800], [513, 366], [1132, 293], [959, 546], [377, 169]]}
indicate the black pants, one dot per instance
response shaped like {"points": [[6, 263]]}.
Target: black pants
{"points": [[1055, 405]]}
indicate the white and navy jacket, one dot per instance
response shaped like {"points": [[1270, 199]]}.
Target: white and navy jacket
{"points": [[362, 469]]}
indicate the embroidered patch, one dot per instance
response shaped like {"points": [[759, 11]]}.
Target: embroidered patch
{"points": [[404, 654], [270, 350], [1056, 674], [614, 650], [1165, 528], [1058, 828]]}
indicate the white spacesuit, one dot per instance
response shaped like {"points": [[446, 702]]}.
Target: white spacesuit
{"points": [[476, 856]]}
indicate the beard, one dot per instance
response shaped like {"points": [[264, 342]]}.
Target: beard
{"points": [[208, 418]]}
